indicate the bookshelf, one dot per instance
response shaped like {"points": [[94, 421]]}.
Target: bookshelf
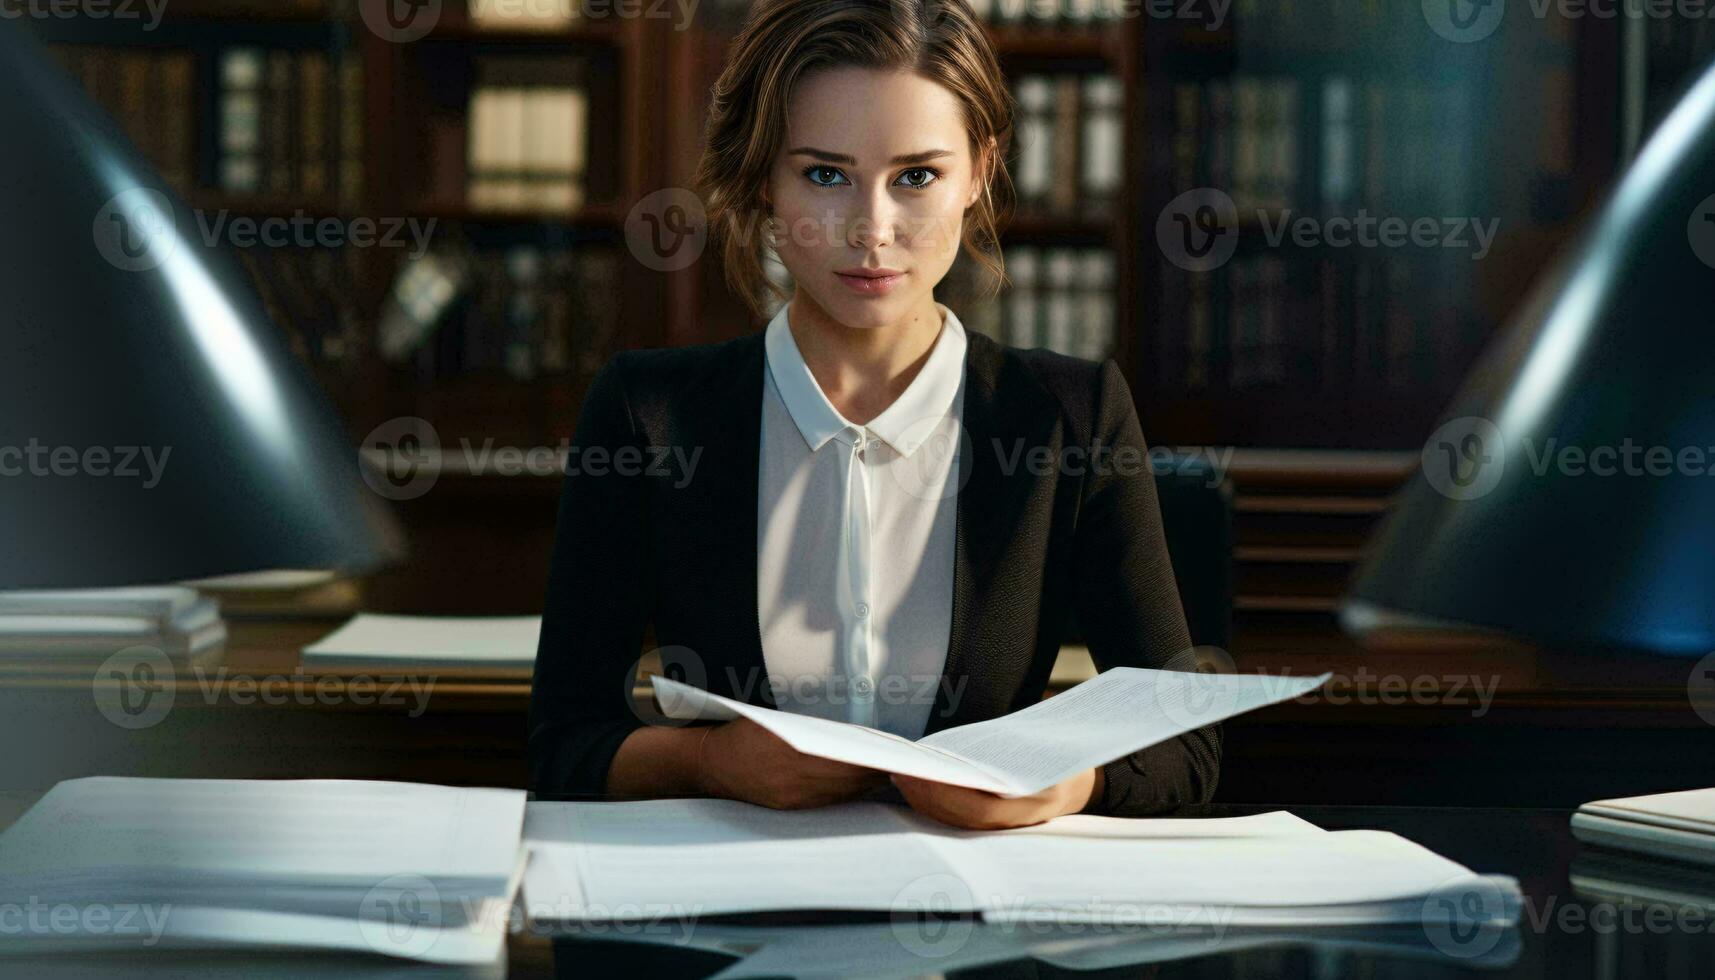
{"points": [[1284, 346]]}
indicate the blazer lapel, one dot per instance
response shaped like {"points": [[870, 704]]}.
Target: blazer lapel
{"points": [[1005, 415], [728, 428]]}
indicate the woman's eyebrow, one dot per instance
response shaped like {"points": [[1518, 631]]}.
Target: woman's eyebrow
{"points": [[922, 156]]}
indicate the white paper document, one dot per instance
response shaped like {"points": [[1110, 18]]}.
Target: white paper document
{"points": [[481, 641], [402, 869], [681, 860], [1114, 714]]}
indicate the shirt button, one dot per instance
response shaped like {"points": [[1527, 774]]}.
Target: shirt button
{"points": [[863, 610]]}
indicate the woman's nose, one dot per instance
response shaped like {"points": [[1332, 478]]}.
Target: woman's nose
{"points": [[871, 224]]}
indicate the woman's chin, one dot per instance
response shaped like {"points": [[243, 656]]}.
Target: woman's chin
{"points": [[869, 312]]}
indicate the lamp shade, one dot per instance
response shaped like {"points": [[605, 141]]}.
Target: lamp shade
{"points": [[1569, 496], [154, 426]]}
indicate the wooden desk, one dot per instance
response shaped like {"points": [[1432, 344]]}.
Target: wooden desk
{"points": [[1400, 725]]}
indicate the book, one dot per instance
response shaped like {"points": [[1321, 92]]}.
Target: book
{"points": [[242, 73], [527, 137], [1115, 713]]}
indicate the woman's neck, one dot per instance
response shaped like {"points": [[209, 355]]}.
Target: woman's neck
{"points": [[862, 370]]}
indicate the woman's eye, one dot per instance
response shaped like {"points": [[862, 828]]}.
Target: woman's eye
{"points": [[928, 177], [814, 171]]}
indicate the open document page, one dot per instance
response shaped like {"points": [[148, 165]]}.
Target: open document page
{"points": [[682, 860], [1114, 714]]}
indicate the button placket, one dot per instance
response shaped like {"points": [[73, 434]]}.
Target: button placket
{"points": [[859, 531]]}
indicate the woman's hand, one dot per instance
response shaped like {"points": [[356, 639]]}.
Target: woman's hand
{"points": [[974, 809], [741, 760]]}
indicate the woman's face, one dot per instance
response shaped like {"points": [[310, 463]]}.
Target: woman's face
{"points": [[875, 174]]}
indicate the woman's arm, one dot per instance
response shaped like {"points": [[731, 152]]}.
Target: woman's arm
{"points": [[585, 738], [1128, 606], [596, 609]]}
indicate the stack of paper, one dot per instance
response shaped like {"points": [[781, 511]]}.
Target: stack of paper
{"points": [[1678, 826], [405, 870], [82, 628], [373, 642], [666, 860]]}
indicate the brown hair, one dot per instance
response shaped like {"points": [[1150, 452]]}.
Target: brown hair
{"points": [[782, 40]]}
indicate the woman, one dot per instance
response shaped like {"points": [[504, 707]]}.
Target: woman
{"points": [[862, 512]]}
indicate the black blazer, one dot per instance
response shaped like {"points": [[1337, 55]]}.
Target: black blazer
{"points": [[657, 525]]}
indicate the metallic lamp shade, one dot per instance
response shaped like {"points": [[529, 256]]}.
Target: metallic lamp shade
{"points": [[153, 425], [1569, 496]]}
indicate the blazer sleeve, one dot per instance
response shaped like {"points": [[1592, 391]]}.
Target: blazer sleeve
{"points": [[1128, 604], [597, 606]]}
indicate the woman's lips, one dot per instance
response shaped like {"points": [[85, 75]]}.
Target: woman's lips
{"points": [[870, 285]]}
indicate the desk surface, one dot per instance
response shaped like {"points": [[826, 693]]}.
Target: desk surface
{"points": [[1566, 931]]}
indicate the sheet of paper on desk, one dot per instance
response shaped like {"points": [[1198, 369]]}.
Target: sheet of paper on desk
{"points": [[480, 641], [671, 860], [402, 869], [1113, 714], [680, 858]]}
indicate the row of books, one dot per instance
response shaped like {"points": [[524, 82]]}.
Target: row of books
{"points": [[1313, 323], [1070, 153], [291, 123], [315, 296], [526, 137], [525, 310], [145, 91], [1063, 299], [1328, 145]]}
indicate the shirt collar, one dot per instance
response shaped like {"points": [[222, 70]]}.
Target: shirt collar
{"points": [[929, 396]]}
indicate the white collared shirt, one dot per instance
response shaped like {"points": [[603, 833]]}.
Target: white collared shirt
{"points": [[855, 539]]}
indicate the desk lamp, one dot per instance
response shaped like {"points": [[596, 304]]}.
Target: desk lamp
{"points": [[154, 427], [1570, 495]]}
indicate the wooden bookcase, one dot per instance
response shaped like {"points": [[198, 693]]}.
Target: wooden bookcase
{"points": [[649, 84]]}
